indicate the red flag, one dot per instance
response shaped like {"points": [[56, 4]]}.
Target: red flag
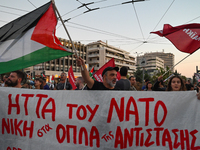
{"points": [[185, 38], [98, 74], [52, 78], [71, 78]]}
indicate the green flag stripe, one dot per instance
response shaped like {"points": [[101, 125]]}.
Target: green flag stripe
{"points": [[39, 56]]}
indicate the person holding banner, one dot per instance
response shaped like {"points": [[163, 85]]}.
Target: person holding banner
{"points": [[15, 79], [176, 84], [109, 75]]}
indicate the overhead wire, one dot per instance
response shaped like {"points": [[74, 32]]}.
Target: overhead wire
{"points": [[138, 22], [9, 13], [78, 7], [105, 31], [13, 8], [99, 31], [32, 3], [193, 19], [97, 8], [161, 18]]}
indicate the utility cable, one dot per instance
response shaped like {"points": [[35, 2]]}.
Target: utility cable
{"points": [[9, 13], [32, 4], [105, 32], [161, 18], [138, 22], [97, 8], [13, 8]]}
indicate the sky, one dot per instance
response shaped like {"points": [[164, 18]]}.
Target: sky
{"points": [[123, 25]]}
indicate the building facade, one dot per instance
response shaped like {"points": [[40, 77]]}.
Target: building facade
{"points": [[95, 54], [152, 63], [100, 52], [156, 60], [167, 57]]}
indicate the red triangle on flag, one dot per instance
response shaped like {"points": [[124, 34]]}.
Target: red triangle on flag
{"points": [[44, 32]]}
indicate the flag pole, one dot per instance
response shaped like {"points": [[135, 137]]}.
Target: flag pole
{"points": [[73, 47], [176, 64]]}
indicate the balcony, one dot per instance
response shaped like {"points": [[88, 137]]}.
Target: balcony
{"points": [[114, 56], [93, 61], [93, 55]]}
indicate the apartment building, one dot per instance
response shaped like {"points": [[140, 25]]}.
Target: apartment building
{"points": [[167, 57], [100, 52], [156, 60], [152, 63]]}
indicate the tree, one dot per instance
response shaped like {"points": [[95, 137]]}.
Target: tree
{"points": [[160, 71], [139, 74]]}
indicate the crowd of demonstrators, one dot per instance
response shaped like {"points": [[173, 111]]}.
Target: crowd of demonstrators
{"points": [[176, 83], [123, 83]]}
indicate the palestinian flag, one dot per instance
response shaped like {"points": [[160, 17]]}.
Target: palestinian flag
{"points": [[30, 40], [91, 73]]}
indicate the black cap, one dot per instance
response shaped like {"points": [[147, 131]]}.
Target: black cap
{"points": [[110, 69]]}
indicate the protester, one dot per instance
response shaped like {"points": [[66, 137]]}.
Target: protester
{"points": [[63, 85], [5, 77], [176, 84], [15, 79], [133, 83], [39, 83], [144, 86], [159, 84], [149, 87], [123, 83], [188, 85], [79, 82], [109, 76], [45, 86]]}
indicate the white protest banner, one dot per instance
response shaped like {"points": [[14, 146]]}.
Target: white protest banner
{"points": [[93, 120]]}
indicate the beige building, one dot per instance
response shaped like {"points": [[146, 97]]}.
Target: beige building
{"points": [[156, 60], [152, 63], [167, 57], [100, 52]]}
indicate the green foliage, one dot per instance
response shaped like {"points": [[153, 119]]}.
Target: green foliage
{"points": [[139, 74]]}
